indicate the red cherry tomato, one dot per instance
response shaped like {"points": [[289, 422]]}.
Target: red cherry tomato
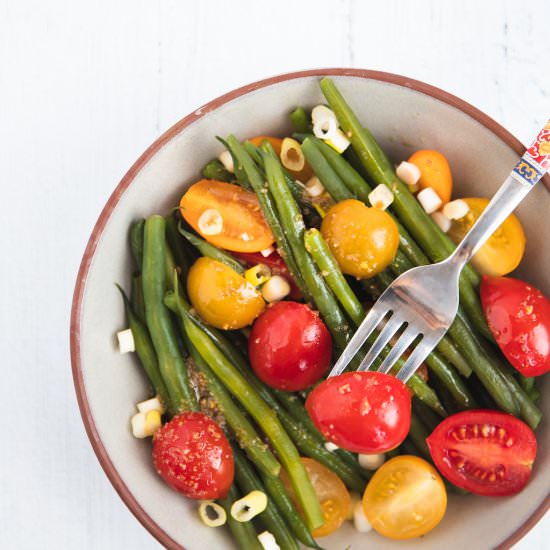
{"points": [[192, 454], [486, 452], [519, 317], [364, 412], [289, 347], [275, 263]]}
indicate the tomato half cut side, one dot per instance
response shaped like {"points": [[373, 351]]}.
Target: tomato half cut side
{"points": [[486, 452]]}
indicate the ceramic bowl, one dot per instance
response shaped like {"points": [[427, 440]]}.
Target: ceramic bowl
{"points": [[404, 115]]}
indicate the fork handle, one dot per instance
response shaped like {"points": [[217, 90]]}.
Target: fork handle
{"points": [[527, 172]]}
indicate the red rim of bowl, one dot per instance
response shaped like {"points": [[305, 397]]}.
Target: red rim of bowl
{"points": [[83, 404]]}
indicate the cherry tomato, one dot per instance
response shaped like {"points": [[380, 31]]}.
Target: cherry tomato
{"points": [[330, 490], [221, 296], [519, 318], [363, 240], [243, 227], [289, 347], [435, 172], [275, 263], [364, 412], [486, 452], [504, 249], [192, 454], [405, 498]]}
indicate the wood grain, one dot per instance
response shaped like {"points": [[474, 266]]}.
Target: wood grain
{"points": [[85, 87]]}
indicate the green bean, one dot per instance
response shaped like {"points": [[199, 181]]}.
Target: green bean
{"points": [[136, 301], [170, 268], [418, 434], [213, 252], [436, 244], [214, 170], [300, 120], [136, 242], [247, 437], [240, 175], [248, 481], [264, 416], [146, 353], [451, 380], [176, 245], [425, 414], [159, 323], [277, 492], [329, 178], [526, 382], [243, 531], [295, 227], [534, 394], [528, 411], [270, 212], [488, 375], [321, 253]]}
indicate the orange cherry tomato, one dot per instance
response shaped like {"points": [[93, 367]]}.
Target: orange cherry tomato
{"points": [[363, 240], [221, 296], [330, 490], [435, 172], [243, 227]]}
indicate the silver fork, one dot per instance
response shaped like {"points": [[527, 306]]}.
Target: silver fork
{"points": [[423, 301]]}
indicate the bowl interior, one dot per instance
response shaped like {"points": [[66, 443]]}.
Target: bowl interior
{"points": [[403, 120]]}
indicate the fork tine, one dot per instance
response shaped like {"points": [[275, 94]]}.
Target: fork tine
{"points": [[370, 322], [416, 358], [391, 327], [404, 341]]}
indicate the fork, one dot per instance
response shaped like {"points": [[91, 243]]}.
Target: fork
{"points": [[423, 301]]}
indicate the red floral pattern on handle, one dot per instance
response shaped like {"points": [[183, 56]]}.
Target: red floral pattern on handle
{"points": [[539, 151]]}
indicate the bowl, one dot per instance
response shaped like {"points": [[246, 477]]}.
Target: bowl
{"points": [[404, 115]]}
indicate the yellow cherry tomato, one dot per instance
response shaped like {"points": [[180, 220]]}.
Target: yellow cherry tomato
{"points": [[363, 240], [435, 172], [221, 296], [240, 224], [504, 249], [330, 490], [405, 498]]}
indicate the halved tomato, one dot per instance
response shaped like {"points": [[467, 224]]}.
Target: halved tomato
{"points": [[405, 498], [486, 452], [241, 224]]}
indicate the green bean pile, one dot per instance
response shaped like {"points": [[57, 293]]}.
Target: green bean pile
{"points": [[270, 429]]}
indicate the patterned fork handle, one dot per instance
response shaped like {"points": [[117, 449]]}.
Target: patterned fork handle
{"points": [[536, 160]]}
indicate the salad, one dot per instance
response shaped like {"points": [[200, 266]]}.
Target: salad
{"points": [[245, 294]]}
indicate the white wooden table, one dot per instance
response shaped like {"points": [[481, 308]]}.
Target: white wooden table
{"points": [[85, 87]]}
